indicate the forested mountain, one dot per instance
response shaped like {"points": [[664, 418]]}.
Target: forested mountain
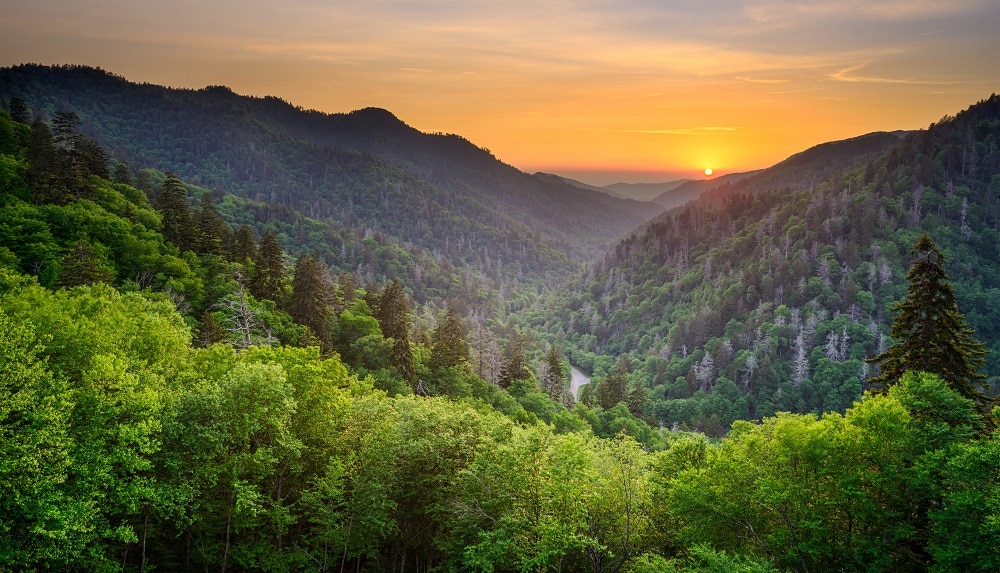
{"points": [[647, 191], [768, 294], [580, 184], [365, 170], [178, 393], [691, 190]]}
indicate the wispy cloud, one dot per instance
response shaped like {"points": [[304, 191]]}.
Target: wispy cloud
{"points": [[847, 75], [761, 80]]}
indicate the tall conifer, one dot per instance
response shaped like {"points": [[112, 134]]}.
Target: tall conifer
{"points": [[269, 273], [392, 313], [309, 304], [929, 333], [448, 345], [177, 220]]}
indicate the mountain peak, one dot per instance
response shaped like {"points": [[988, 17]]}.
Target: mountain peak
{"points": [[378, 117]]}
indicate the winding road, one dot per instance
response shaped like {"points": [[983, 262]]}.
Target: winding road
{"points": [[577, 379]]}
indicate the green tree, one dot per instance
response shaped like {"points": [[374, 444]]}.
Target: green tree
{"points": [[38, 521], [83, 266], [448, 345], [19, 110], [393, 315], [177, 220], [614, 388], [244, 245], [514, 367], [209, 330], [310, 300], [211, 233], [122, 174], [965, 533], [269, 269], [554, 375], [44, 166], [929, 333]]}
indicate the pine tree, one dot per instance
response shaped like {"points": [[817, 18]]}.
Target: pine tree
{"points": [[448, 345], [211, 233], [515, 367], [929, 333], [19, 111], [554, 379], [309, 305], [244, 245], [176, 212], [83, 266], [614, 388], [122, 174], [392, 313], [209, 331], [44, 166], [269, 269]]}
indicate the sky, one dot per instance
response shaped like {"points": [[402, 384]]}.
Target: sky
{"points": [[599, 90]]}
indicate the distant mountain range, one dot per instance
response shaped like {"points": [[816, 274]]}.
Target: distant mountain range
{"points": [[768, 291], [366, 169], [667, 195]]}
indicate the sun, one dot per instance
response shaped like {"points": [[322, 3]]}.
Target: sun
{"points": [[709, 171]]}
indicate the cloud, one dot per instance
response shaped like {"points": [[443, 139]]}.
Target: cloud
{"points": [[789, 13], [847, 75]]}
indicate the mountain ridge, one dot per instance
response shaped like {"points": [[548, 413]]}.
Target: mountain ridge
{"points": [[366, 168]]}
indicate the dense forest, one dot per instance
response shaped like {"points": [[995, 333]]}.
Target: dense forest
{"points": [[365, 171], [187, 381], [766, 295]]}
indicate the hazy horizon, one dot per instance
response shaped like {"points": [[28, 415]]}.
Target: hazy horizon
{"points": [[633, 91]]}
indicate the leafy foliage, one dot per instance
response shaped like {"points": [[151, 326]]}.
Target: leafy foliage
{"points": [[768, 294]]}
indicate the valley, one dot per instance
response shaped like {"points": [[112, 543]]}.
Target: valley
{"points": [[238, 334]]}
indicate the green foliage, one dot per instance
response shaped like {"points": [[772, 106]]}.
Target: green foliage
{"points": [[39, 524], [448, 342], [930, 334], [783, 283]]}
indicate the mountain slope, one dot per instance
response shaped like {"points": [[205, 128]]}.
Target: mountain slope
{"points": [[690, 190], [646, 191], [767, 294], [580, 184], [366, 169]]}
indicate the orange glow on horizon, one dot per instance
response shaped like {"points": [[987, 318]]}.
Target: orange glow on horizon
{"points": [[630, 88]]}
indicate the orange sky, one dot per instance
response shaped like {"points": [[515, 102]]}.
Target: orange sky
{"points": [[633, 90]]}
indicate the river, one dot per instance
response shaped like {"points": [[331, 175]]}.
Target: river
{"points": [[577, 379]]}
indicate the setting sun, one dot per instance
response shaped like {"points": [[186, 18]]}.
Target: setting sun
{"points": [[708, 171]]}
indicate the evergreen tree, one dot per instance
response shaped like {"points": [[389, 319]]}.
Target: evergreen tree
{"points": [[19, 111], [269, 269], [209, 331], [79, 156], [448, 345], [122, 174], [554, 379], [309, 303], [91, 159], [211, 233], [392, 313], [173, 205], [83, 266], [64, 126], [44, 166], [929, 333], [515, 367], [614, 387], [244, 245]]}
